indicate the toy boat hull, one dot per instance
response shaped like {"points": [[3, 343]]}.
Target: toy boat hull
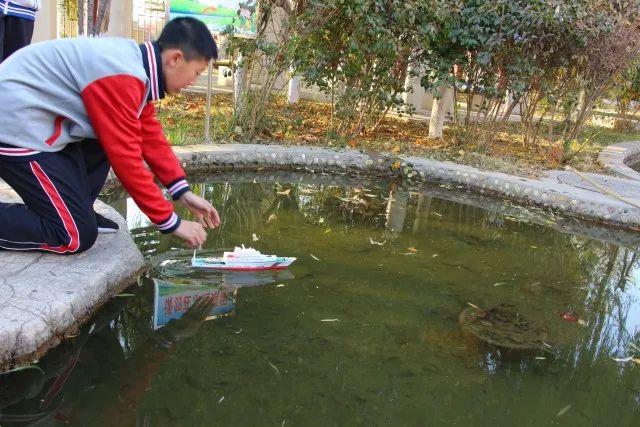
{"points": [[279, 263]]}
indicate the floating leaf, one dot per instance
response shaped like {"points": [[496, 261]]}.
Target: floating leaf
{"points": [[330, 320], [275, 368], [125, 295], [280, 286], [321, 220], [412, 249], [373, 242], [435, 255], [315, 257], [563, 411], [255, 237], [271, 217], [26, 367], [568, 317], [284, 192], [221, 399], [582, 322], [499, 283]]}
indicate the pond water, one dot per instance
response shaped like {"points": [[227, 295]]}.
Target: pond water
{"points": [[361, 330]]}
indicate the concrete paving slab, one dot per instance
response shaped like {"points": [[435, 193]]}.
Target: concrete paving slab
{"points": [[45, 297], [618, 158], [621, 186]]}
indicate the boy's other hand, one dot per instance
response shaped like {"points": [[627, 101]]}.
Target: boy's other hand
{"points": [[207, 215], [191, 232]]}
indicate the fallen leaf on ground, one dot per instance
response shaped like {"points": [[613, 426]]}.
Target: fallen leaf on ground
{"points": [[284, 192]]}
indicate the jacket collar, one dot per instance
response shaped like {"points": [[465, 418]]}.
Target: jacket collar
{"points": [[153, 66]]}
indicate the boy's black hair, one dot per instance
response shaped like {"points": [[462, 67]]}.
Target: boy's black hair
{"points": [[191, 36]]}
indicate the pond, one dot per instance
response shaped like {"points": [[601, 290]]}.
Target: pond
{"points": [[363, 329]]}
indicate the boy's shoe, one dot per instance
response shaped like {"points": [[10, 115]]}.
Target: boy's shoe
{"points": [[105, 225]]}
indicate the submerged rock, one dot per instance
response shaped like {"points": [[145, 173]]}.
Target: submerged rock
{"points": [[504, 327]]}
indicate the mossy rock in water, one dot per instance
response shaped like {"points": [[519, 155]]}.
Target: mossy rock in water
{"points": [[504, 327]]}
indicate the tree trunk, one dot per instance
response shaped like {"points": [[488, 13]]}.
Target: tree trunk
{"points": [[293, 95], [89, 14], [103, 11], [441, 105], [81, 17]]}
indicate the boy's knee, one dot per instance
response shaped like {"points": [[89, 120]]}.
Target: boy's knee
{"points": [[78, 238], [88, 234]]}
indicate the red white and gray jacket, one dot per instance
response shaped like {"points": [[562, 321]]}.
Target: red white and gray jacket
{"points": [[60, 92], [20, 8]]}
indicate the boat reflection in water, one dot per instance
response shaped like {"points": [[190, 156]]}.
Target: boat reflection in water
{"points": [[171, 300]]}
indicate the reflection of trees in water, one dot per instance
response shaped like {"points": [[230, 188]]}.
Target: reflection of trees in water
{"points": [[610, 301]]}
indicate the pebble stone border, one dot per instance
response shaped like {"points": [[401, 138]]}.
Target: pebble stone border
{"points": [[545, 193], [617, 158]]}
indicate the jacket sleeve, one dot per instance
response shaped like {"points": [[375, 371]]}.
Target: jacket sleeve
{"points": [[112, 106], [158, 154]]}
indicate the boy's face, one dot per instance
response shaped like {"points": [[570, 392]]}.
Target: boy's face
{"points": [[178, 72]]}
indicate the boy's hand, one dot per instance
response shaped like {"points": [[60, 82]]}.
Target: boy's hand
{"points": [[191, 232], [207, 215]]}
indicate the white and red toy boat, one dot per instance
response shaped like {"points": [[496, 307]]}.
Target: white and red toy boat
{"points": [[243, 259]]}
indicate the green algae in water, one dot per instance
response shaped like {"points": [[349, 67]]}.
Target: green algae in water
{"points": [[396, 355]]}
